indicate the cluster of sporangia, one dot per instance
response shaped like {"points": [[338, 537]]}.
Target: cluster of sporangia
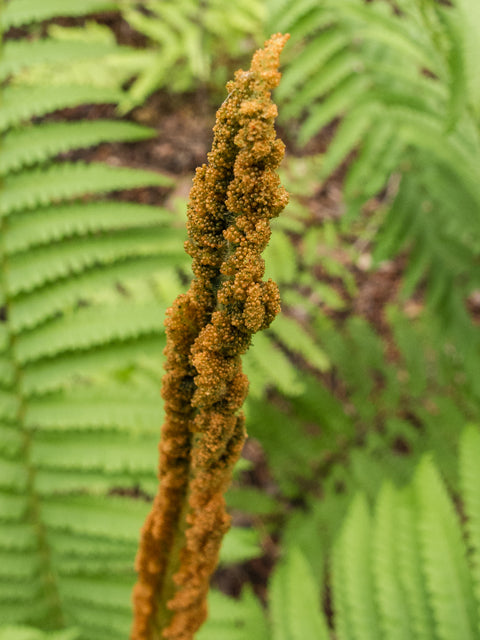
{"points": [[232, 201]]}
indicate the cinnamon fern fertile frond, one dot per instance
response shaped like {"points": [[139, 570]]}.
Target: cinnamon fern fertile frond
{"points": [[232, 201]]}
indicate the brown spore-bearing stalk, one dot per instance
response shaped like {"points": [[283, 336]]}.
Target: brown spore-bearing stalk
{"points": [[232, 201]]}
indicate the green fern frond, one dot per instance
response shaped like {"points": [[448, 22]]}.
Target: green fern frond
{"points": [[469, 452], [444, 556], [29, 633], [91, 285], [41, 377], [72, 452], [53, 224], [18, 55], [354, 545], [235, 619], [85, 410], [276, 367], [294, 337], [90, 327], [22, 103], [391, 598], [40, 187], [294, 601], [20, 12], [31, 145], [76, 256]]}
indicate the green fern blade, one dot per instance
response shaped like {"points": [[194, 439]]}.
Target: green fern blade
{"points": [[4, 337], [394, 614], [96, 482], [7, 373], [45, 265], [444, 556], [12, 507], [302, 28], [90, 327], [23, 103], [355, 546], [15, 537], [342, 614], [374, 162], [9, 405], [21, 612], [31, 145], [78, 409], [11, 442], [18, 55], [95, 625], [113, 453], [339, 101], [67, 181], [371, 22], [20, 12], [310, 59], [397, 224], [280, 259], [237, 618], [19, 567], [470, 481], [29, 310], [13, 475], [23, 591], [283, 15], [32, 633], [338, 70], [70, 546], [40, 378], [294, 601], [296, 339], [275, 365], [110, 518], [113, 592], [79, 219], [352, 130], [470, 27]]}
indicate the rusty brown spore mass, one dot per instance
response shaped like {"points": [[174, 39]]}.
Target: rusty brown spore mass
{"points": [[232, 201]]}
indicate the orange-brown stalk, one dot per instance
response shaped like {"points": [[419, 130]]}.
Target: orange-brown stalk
{"points": [[232, 201]]}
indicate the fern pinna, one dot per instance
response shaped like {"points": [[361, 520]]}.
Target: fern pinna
{"points": [[78, 302], [208, 328]]}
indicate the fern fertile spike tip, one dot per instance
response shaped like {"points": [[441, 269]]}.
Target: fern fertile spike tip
{"points": [[233, 198]]}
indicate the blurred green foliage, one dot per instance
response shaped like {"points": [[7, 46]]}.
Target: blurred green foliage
{"points": [[359, 413]]}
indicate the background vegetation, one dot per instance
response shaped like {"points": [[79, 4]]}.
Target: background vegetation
{"points": [[356, 507]]}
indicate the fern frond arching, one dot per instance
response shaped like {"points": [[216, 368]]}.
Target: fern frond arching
{"points": [[34, 144], [89, 327], [21, 12], [22, 103], [294, 601], [50, 224], [469, 452], [18, 55], [390, 595], [354, 545], [91, 284], [66, 181], [77, 255]]}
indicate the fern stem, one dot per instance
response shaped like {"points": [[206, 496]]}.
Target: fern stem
{"points": [[231, 203], [53, 616]]}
